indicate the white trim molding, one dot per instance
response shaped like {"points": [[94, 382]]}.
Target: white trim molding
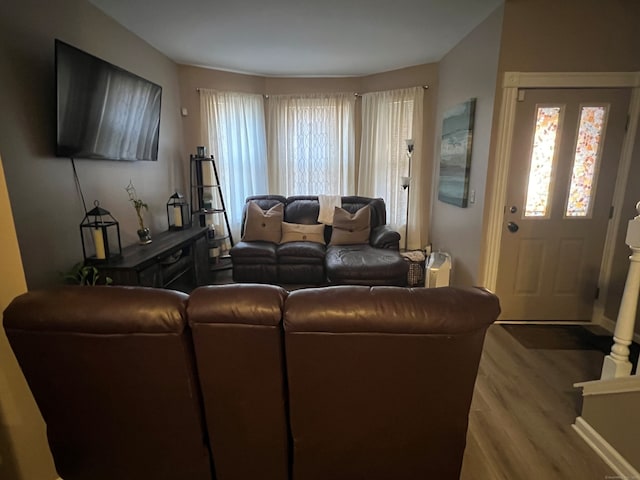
{"points": [[608, 324], [499, 170], [604, 449], [571, 79], [610, 386]]}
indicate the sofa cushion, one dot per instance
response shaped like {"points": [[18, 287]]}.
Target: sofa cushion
{"points": [[351, 228], [261, 225], [296, 232], [301, 252], [253, 252], [365, 265], [378, 210]]}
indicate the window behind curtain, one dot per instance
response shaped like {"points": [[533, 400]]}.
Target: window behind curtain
{"points": [[311, 144], [234, 129], [389, 119]]}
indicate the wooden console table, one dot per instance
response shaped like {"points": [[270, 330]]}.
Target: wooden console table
{"points": [[175, 259]]}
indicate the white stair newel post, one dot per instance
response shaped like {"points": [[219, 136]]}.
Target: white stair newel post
{"points": [[617, 363]]}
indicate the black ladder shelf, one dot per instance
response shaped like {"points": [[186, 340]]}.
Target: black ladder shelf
{"points": [[201, 207]]}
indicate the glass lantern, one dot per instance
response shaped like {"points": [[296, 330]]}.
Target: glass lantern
{"points": [[178, 214], [100, 234]]}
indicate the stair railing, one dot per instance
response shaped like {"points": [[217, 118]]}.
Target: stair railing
{"points": [[617, 363]]}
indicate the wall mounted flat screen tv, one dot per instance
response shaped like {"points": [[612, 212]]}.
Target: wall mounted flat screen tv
{"points": [[103, 111]]}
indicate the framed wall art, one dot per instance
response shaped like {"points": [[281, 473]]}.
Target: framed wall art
{"points": [[455, 154]]}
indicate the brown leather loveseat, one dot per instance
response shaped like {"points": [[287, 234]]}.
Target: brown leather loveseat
{"points": [[374, 260], [248, 381]]}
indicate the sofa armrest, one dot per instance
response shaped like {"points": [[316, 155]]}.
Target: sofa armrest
{"points": [[383, 236]]}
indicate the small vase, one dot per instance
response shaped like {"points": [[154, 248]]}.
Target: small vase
{"points": [[145, 236]]}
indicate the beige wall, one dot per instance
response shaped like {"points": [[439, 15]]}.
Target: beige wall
{"points": [[24, 453], [467, 71], [570, 36], [45, 203], [192, 78]]}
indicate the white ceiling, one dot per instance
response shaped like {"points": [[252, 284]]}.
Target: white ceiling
{"points": [[301, 37]]}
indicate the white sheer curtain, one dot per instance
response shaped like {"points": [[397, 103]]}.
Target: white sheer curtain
{"points": [[234, 130], [390, 118], [311, 144]]}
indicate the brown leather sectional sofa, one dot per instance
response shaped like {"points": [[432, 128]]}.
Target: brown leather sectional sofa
{"points": [[251, 382]]}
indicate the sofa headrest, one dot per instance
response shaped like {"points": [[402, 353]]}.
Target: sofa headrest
{"points": [[266, 201], [98, 310], [360, 309], [302, 209], [305, 208], [247, 304]]}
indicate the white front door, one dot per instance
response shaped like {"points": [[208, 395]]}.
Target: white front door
{"points": [[565, 155]]}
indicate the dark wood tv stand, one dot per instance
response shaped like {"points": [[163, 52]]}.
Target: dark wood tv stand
{"points": [[174, 259]]}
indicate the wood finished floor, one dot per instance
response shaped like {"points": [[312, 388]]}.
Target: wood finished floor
{"points": [[523, 407]]}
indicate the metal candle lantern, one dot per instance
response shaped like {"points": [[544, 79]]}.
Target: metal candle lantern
{"points": [[103, 230], [178, 215]]}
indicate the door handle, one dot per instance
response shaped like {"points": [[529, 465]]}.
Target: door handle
{"points": [[512, 227]]}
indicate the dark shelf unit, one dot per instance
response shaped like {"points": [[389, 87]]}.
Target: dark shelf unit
{"points": [[207, 199], [174, 259]]}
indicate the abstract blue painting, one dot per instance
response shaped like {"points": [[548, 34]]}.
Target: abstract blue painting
{"points": [[455, 153]]}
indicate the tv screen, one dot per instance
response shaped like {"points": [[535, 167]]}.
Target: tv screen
{"points": [[103, 111]]}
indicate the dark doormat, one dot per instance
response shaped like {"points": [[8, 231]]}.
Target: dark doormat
{"points": [[567, 337]]}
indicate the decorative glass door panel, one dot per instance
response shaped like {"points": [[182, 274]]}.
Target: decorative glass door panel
{"points": [[586, 160], [561, 180], [542, 160]]}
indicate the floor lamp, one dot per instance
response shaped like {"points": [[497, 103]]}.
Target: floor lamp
{"points": [[404, 183]]}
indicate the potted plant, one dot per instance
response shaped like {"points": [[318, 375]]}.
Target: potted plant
{"points": [[81, 274], [143, 232]]}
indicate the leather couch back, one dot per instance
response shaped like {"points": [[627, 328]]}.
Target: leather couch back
{"points": [[381, 379], [237, 333], [355, 382], [113, 373], [304, 209]]}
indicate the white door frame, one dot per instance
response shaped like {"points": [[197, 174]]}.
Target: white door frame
{"points": [[499, 173]]}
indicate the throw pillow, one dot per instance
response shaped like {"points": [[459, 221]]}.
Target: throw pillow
{"points": [[260, 225], [349, 229], [296, 232]]}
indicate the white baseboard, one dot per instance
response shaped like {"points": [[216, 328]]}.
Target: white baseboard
{"points": [[607, 323], [604, 449], [610, 325]]}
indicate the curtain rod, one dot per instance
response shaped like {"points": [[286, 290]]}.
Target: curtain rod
{"points": [[357, 94]]}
